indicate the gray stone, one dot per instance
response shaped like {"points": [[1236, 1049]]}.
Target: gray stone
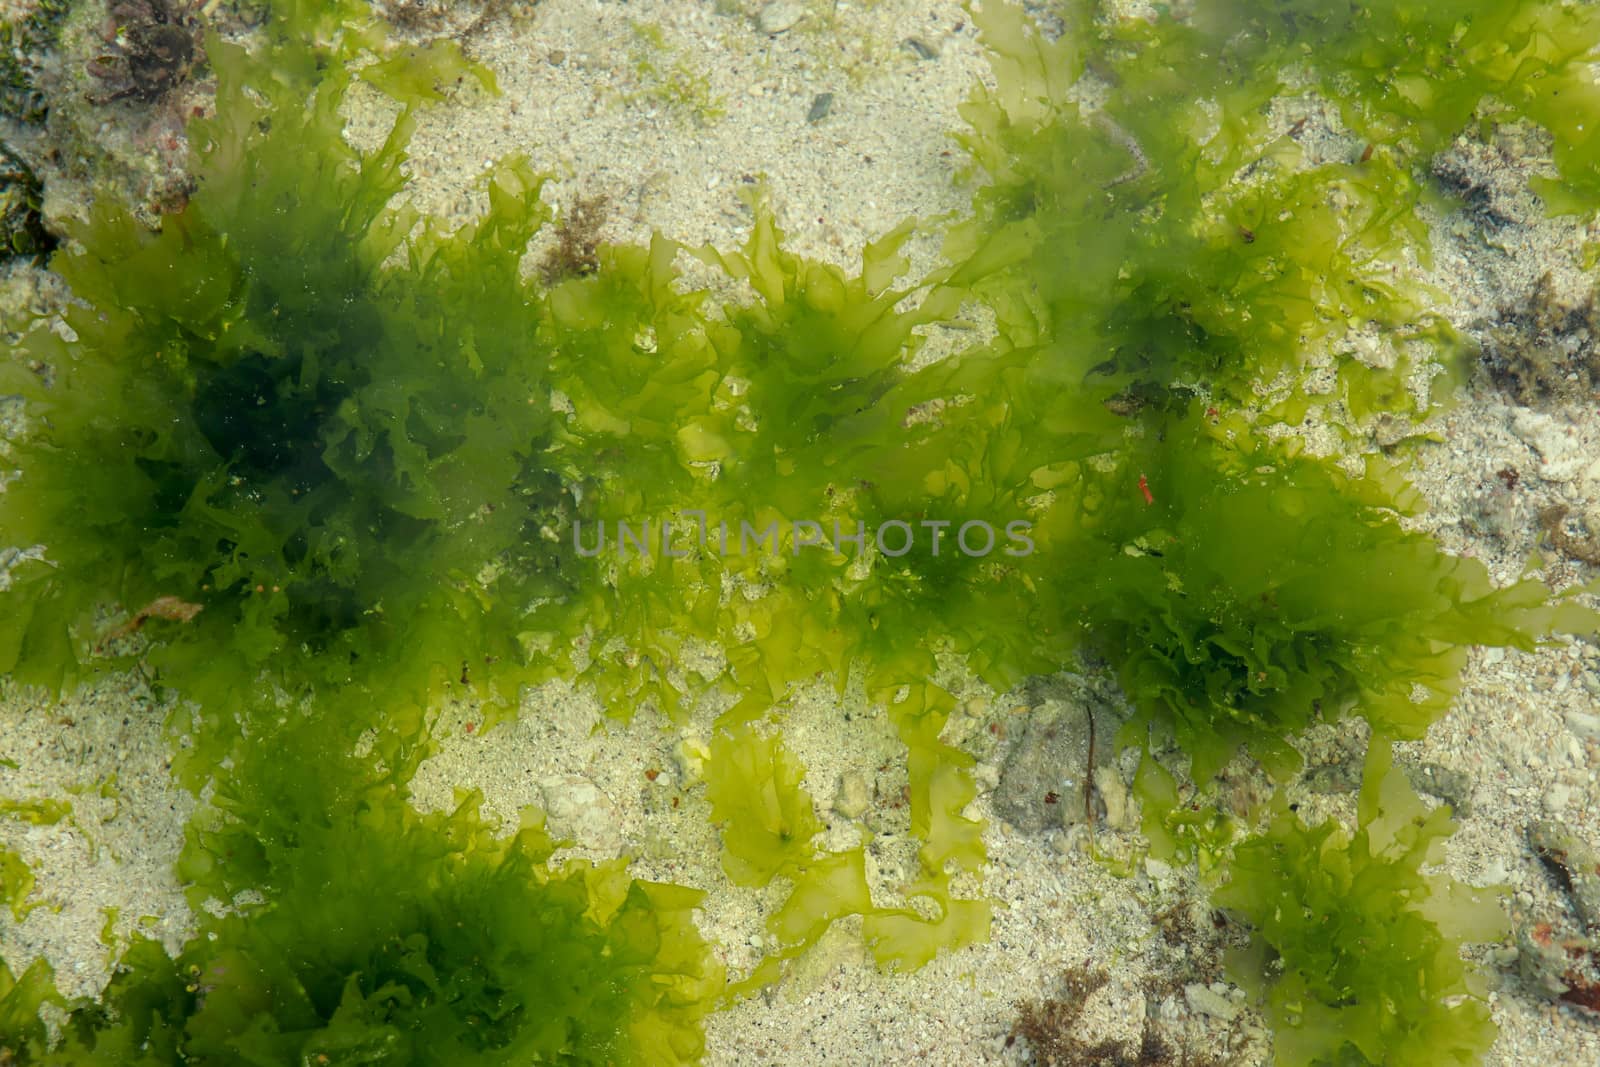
{"points": [[1451, 786], [1333, 778], [1543, 962], [1121, 813], [1042, 775], [1574, 865]]}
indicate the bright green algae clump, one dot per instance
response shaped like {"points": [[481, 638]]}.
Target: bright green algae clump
{"points": [[1179, 234], [1241, 588], [367, 455], [301, 470], [1173, 241], [1363, 947], [1260, 590]]}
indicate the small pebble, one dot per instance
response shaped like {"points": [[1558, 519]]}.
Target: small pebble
{"points": [[578, 811], [920, 48], [854, 795], [987, 776], [821, 104], [780, 16], [1574, 865], [1121, 813], [1584, 724], [1205, 1001]]}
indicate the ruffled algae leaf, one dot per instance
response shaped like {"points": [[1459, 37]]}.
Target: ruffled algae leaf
{"points": [[16, 884], [1168, 236], [753, 786], [22, 1031], [768, 830], [380, 934], [1364, 948], [321, 451], [1259, 590]]}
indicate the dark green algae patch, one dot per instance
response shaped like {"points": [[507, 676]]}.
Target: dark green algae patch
{"points": [[386, 936], [305, 443]]}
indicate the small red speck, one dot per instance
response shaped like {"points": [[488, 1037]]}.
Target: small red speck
{"points": [[471, 727], [1366, 153], [652, 774], [1211, 413], [1543, 933], [1144, 487], [1051, 798]]}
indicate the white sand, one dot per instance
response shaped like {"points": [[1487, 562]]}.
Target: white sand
{"points": [[574, 99]]}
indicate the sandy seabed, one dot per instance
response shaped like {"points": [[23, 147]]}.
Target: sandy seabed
{"points": [[1520, 746]]}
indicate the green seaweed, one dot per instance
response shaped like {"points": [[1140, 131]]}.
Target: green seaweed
{"points": [[754, 789], [768, 825], [670, 80], [21, 1027], [38, 812], [1412, 75], [1363, 946], [22, 228], [325, 463], [319, 452], [1259, 590], [426, 72], [1171, 236], [381, 934], [768, 828], [16, 885], [1196, 833]]}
